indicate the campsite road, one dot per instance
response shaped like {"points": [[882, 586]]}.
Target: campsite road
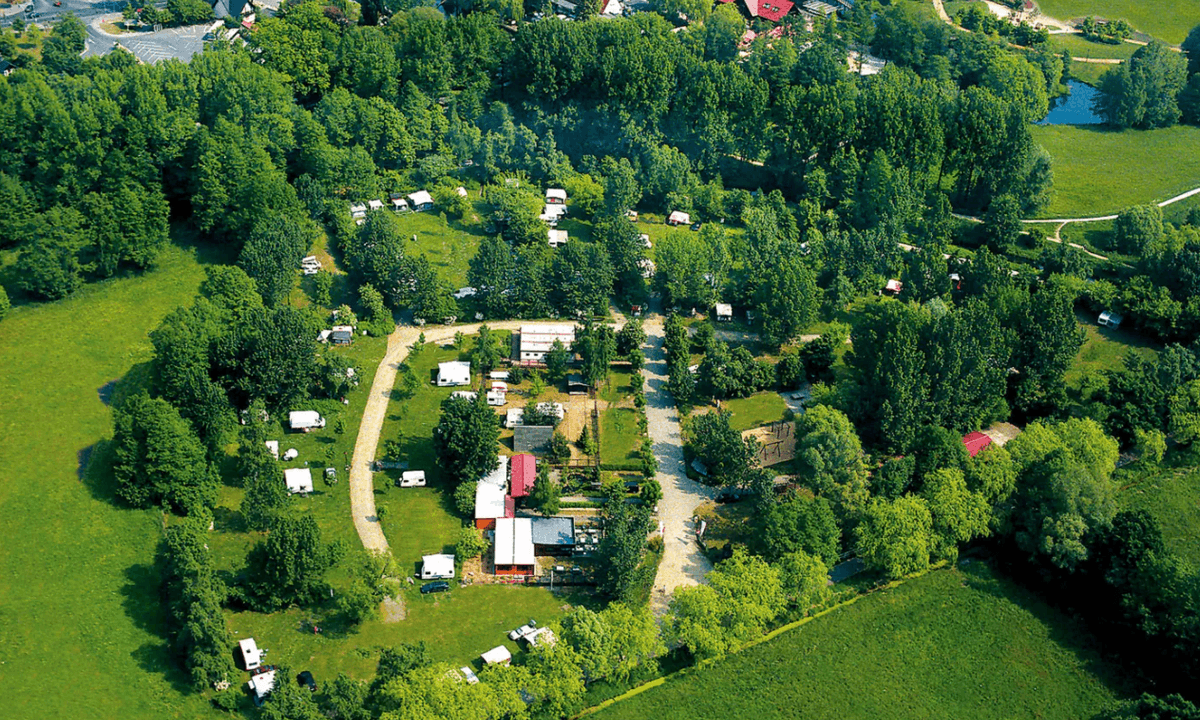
{"points": [[362, 483], [683, 562]]}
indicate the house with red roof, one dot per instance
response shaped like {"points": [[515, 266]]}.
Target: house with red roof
{"points": [[772, 10], [976, 442], [522, 474]]}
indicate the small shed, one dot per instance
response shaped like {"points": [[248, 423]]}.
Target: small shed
{"points": [[553, 536], [576, 385], [399, 205], [420, 200], [679, 218], [341, 335], [251, 655], [556, 196], [305, 420], [299, 480], [437, 567], [1110, 319], [522, 474], [455, 372], [557, 238], [498, 655], [532, 438], [261, 685], [497, 398], [976, 442], [375, 205], [724, 312]]}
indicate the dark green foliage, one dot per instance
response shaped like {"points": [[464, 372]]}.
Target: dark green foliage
{"points": [[802, 523], [596, 346], [556, 362], [546, 493], [289, 566], [894, 477], [1143, 92], [1150, 707], [158, 458], [272, 252], [465, 439], [192, 595], [724, 453], [266, 492], [560, 448], [622, 548], [1136, 228]]}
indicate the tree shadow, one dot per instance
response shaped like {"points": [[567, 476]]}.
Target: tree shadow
{"points": [[106, 391], [143, 605], [95, 471]]}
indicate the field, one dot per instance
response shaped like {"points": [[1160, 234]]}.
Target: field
{"points": [[1080, 46], [759, 409], [1169, 20], [79, 619], [1104, 349], [1173, 498], [952, 644], [448, 245], [1100, 172]]}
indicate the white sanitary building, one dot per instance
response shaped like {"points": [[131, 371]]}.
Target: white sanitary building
{"points": [[536, 340]]}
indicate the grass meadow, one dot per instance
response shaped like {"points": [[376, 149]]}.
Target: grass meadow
{"points": [[952, 644], [79, 616], [1079, 46], [1172, 496], [1168, 20], [620, 437], [1104, 349], [1100, 172], [759, 409]]}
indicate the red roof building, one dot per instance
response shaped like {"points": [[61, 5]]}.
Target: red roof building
{"points": [[510, 507], [772, 10], [522, 474], [975, 442]]}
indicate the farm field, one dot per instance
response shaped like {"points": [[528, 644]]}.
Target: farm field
{"points": [[1100, 172], [78, 604], [1168, 20], [952, 644]]}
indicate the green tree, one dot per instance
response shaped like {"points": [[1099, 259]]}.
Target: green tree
{"points": [[190, 12], [492, 273], [959, 515], [465, 439], [786, 301], [487, 352], [556, 362], [323, 288], [596, 346], [727, 456], [471, 543], [829, 457], [1184, 413], [1138, 228], [896, 536], [1002, 223], [464, 498], [805, 579], [61, 51], [272, 254], [266, 492], [1143, 91], [5, 304], [192, 597], [621, 549], [802, 524], [158, 458], [744, 594], [289, 566]]}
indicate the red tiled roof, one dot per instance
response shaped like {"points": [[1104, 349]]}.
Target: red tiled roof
{"points": [[975, 442], [522, 474], [773, 10], [510, 507]]}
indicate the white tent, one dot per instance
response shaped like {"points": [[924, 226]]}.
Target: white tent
{"points": [[375, 204], [436, 567], [496, 398], [305, 420], [299, 480], [498, 655], [455, 372], [261, 685], [250, 653]]}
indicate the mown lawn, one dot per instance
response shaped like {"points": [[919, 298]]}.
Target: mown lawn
{"points": [[79, 614], [1104, 349], [953, 644], [449, 245], [759, 409], [1079, 46], [620, 438], [1101, 172], [1173, 498], [1169, 20]]}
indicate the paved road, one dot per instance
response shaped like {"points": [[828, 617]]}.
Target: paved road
{"points": [[683, 563]]}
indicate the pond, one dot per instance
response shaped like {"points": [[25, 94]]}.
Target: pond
{"points": [[1075, 108]]}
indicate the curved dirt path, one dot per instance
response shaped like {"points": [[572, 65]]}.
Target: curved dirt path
{"points": [[362, 483], [683, 562]]}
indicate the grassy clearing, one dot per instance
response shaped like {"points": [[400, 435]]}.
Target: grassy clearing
{"points": [[1089, 73], [449, 245], [620, 437], [78, 604], [1170, 20], [759, 409], [952, 644], [1100, 172], [1104, 349], [1079, 46], [1173, 498]]}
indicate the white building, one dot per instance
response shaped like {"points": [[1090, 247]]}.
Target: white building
{"points": [[536, 340], [455, 372], [724, 311], [557, 238], [514, 417], [514, 546], [412, 478], [551, 214], [374, 204], [299, 480], [437, 567]]}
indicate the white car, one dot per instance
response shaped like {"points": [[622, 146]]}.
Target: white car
{"points": [[412, 478], [522, 631]]}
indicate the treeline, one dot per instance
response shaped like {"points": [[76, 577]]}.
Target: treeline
{"points": [[1155, 88]]}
